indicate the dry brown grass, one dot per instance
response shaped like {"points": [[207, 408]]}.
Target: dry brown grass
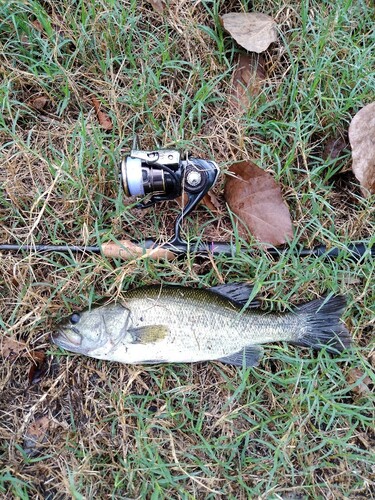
{"points": [[293, 428]]}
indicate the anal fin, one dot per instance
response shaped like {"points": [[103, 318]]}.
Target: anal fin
{"points": [[248, 356]]}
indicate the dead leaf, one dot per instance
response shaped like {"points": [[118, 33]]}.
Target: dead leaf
{"points": [[247, 81], [362, 387], [38, 102], [37, 25], [103, 118], [12, 349], [254, 31], [36, 435], [334, 146], [39, 369], [158, 5], [255, 198], [211, 202], [362, 141]]}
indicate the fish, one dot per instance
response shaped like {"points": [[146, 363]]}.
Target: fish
{"points": [[177, 324]]}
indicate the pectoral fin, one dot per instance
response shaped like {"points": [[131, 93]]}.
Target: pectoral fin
{"points": [[149, 334], [248, 356]]}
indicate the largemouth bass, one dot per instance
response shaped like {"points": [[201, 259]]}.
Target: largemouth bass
{"points": [[174, 324]]}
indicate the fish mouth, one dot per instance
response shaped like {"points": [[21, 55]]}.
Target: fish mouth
{"points": [[67, 339]]}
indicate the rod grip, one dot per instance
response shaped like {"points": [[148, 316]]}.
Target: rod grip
{"points": [[128, 250]]}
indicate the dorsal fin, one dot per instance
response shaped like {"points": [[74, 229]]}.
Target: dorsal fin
{"points": [[239, 293]]}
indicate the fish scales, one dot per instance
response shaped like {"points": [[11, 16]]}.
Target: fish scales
{"points": [[182, 324], [201, 323]]}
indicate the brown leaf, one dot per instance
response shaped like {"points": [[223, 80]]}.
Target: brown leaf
{"points": [[247, 81], [38, 102], [158, 5], [254, 31], [361, 388], [211, 202], [362, 140], [11, 349], [36, 435], [255, 198], [333, 147], [38, 369], [37, 25], [103, 118], [38, 356]]}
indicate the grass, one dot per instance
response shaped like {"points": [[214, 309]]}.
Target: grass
{"points": [[294, 427]]}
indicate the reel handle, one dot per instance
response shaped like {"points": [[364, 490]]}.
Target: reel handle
{"points": [[199, 177]]}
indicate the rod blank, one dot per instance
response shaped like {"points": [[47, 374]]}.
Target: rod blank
{"points": [[49, 248], [128, 250]]}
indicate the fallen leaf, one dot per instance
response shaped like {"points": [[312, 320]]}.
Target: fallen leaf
{"points": [[254, 31], [211, 202], [362, 141], [38, 369], [334, 146], [158, 5], [357, 377], [11, 349], [255, 198], [103, 118], [37, 25], [38, 102], [57, 23], [36, 435], [247, 81]]}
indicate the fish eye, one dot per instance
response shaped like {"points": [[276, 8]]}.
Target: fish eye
{"points": [[74, 318]]}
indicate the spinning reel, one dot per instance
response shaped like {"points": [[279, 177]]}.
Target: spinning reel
{"points": [[163, 175]]}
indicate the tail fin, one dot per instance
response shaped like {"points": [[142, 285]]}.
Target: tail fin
{"points": [[321, 326]]}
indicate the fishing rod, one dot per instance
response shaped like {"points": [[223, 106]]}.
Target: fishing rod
{"points": [[164, 175], [127, 250]]}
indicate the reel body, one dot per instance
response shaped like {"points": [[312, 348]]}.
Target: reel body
{"points": [[163, 175]]}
